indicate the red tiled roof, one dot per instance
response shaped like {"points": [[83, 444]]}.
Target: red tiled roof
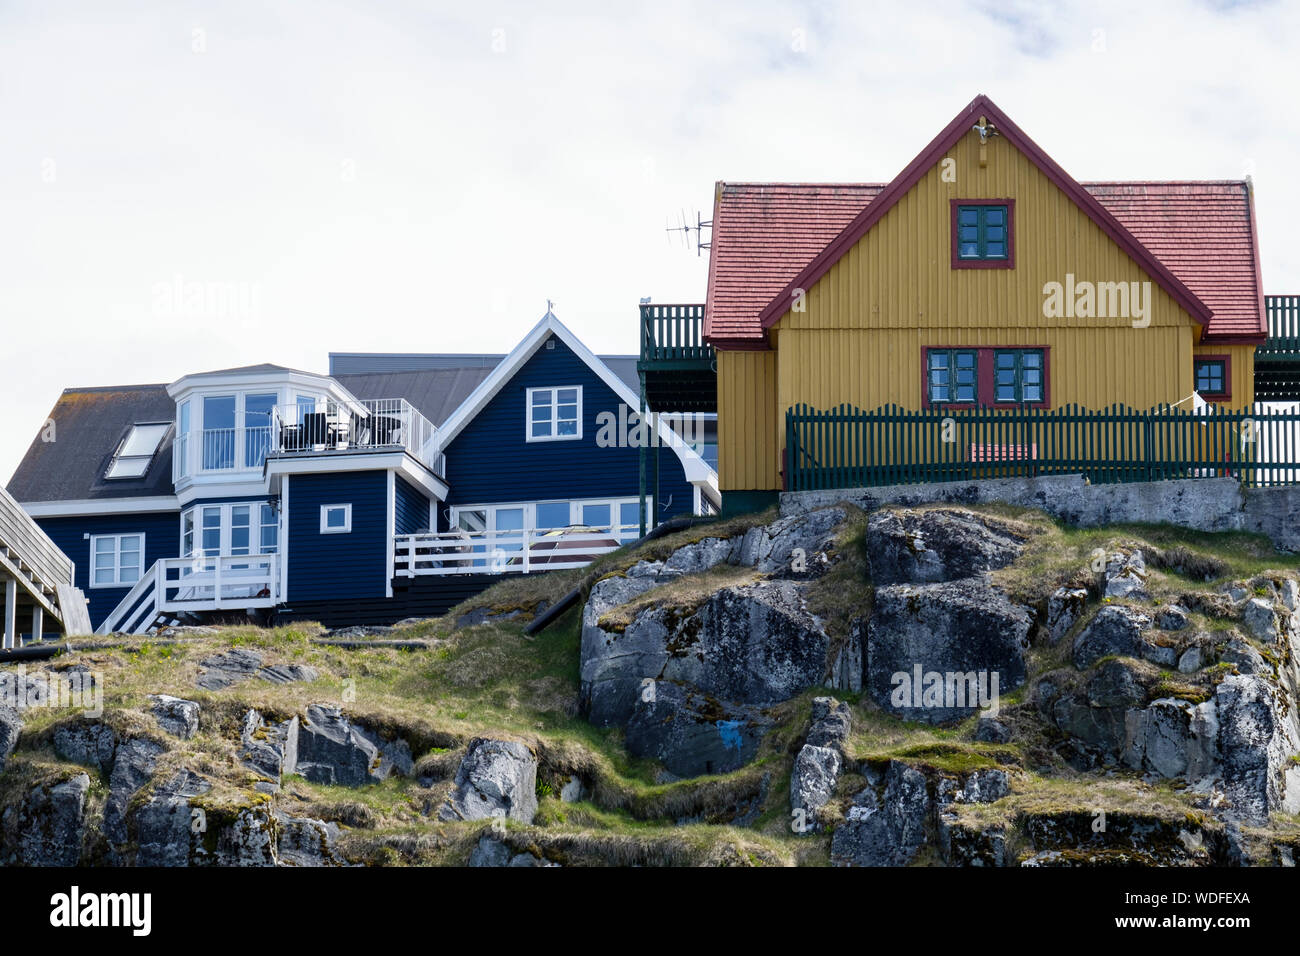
{"points": [[1197, 239], [1204, 232], [763, 234]]}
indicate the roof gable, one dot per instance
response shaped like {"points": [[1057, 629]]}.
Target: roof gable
{"points": [[927, 159], [697, 471]]}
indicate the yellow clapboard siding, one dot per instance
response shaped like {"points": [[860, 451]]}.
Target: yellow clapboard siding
{"points": [[748, 425], [860, 336]]}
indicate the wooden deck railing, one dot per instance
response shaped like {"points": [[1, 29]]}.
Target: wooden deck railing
{"points": [[32, 546], [846, 447], [673, 333], [1283, 328]]}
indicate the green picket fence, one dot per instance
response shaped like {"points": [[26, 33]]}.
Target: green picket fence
{"points": [[846, 447]]}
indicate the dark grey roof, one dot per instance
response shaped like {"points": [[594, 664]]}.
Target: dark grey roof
{"points": [[263, 367], [89, 424], [435, 392], [369, 363]]}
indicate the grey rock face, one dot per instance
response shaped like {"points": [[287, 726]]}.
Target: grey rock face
{"points": [[1172, 618], [164, 824], [886, 830], [908, 547], [1257, 739], [332, 751], [178, 717], [1174, 738], [831, 722], [288, 673], [1258, 616], [1064, 608], [797, 545], [495, 778], [1125, 576], [48, 827], [271, 751], [304, 842], [86, 742], [1114, 630], [133, 767], [490, 851], [223, 670], [1247, 660], [691, 733], [11, 726], [751, 644], [989, 730], [812, 781], [240, 664], [848, 662], [959, 637]]}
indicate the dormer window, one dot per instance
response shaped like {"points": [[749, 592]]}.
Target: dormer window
{"points": [[554, 414], [982, 234], [136, 450]]}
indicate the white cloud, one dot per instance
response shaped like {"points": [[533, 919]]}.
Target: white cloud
{"points": [[403, 176]]}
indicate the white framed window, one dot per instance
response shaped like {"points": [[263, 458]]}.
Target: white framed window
{"points": [[230, 529], [554, 414], [116, 560], [136, 450], [335, 519], [621, 517]]}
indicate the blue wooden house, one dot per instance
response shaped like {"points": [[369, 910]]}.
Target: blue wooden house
{"points": [[392, 487]]}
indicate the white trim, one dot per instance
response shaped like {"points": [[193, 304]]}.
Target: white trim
{"points": [[284, 540], [554, 420], [117, 581], [347, 518], [696, 468], [331, 462], [100, 506], [392, 531]]}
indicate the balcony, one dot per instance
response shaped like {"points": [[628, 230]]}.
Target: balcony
{"points": [[676, 365], [309, 430], [1277, 361]]}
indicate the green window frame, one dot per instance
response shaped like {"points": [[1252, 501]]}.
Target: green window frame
{"points": [[983, 232], [1019, 376], [952, 376], [1212, 376]]}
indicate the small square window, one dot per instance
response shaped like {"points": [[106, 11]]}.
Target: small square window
{"points": [[1212, 377], [554, 414], [335, 519], [981, 234], [951, 375], [1018, 376], [116, 560]]}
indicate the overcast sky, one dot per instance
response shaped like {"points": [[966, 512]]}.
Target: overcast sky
{"points": [[416, 176]]}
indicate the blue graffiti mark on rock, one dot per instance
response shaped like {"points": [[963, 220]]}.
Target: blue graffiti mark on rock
{"points": [[729, 731]]}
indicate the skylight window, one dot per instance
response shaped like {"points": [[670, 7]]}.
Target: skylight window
{"points": [[132, 458]]}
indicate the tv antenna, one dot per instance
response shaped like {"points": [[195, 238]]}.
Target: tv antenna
{"points": [[684, 230]]}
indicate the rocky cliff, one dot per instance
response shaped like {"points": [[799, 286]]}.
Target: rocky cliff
{"points": [[942, 686]]}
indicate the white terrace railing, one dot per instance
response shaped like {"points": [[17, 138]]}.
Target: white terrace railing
{"points": [[505, 552], [176, 585], [309, 429]]}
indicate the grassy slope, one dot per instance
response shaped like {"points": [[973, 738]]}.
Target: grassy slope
{"points": [[492, 679]]}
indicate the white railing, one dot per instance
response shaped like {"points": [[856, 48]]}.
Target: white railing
{"points": [[505, 552], [211, 583], [220, 449], [329, 426]]}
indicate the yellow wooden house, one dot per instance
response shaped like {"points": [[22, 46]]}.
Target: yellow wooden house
{"points": [[982, 276]]}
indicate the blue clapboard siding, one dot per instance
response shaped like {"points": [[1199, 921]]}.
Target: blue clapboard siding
{"points": [[338, 565], [161, 532], [412, 507], [490, 460]]}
